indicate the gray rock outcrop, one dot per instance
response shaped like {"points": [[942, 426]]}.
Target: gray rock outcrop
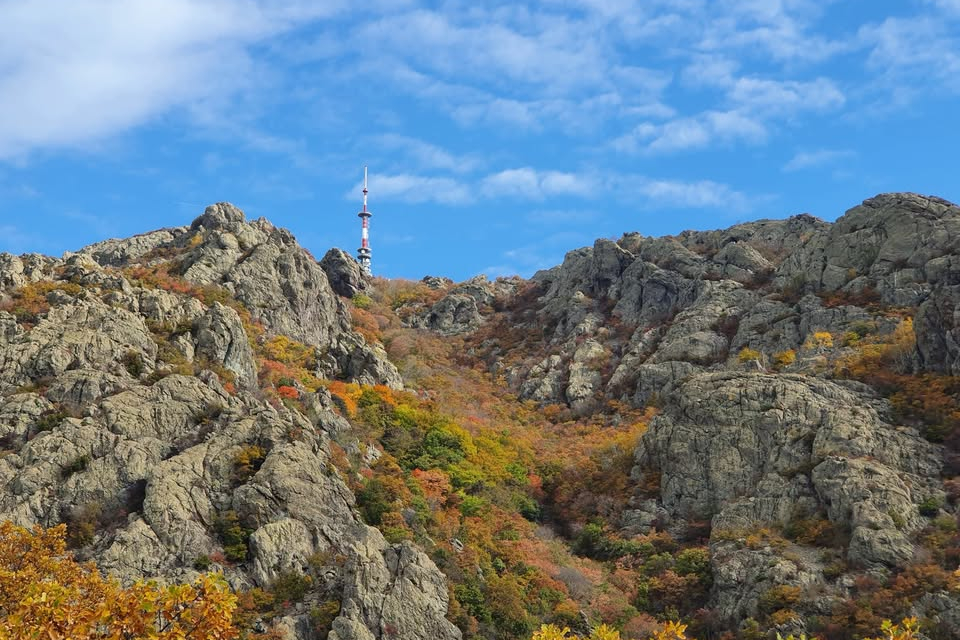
{"points": [[111, 422], [701, 297], [266, 270], [343, 272], [898, 243], [748, 448], [220, 337], [464, 306]]}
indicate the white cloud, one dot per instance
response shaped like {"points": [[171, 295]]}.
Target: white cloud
{"points": [[756, 103], [779, 96], [692, 133], [73, 74], [913, 54], [551, 53], [527, 68], [76, 72], [679, 194], [574, 118], [531, 184], [710, 71], [948, 6], [514, 183], [562, 65], [491, 111], [527, 183], [736, 125], [416, 189], [818, 158], [561, 183], [782, 30]]}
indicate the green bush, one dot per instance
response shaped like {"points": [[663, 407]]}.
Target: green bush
{"points": [[290, 587], [236, 552], [472, 505], [233, 535], [594, 543], [322, 617], [80, 463], [929, 508], [470, 596], [49, 420], [373, 501], [133, 362], [694, 561], [362, 301]]}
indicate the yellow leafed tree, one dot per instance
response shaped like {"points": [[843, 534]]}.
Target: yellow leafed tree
{"points": [[45, 593], [908, 629], [670, 631]]}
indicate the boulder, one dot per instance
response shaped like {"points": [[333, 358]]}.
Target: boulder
{"points": [[749, 448], [461, 310], [343, 272], [220, 337]]}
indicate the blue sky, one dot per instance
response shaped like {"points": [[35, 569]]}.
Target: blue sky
{"points": [[499, 135]]}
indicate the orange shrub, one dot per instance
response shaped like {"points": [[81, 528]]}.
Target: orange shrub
{"points": [[365, 323], [290, 393], [29, 302], [347, 393]]}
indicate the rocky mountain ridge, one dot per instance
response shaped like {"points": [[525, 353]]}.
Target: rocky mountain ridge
{"points": [[134, 408], [738, 335], [696, 299], [103, 425]]}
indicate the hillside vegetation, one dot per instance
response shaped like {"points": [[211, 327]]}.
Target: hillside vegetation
{"points": [[727, 434]]}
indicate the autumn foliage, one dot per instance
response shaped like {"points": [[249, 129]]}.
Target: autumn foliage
{"points": [[45, 593], [519, 505], [29, 302], [909, 629], [552, 632], [929, 402]]}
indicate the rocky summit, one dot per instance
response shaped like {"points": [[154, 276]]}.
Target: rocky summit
{"points": [[753, 430]]}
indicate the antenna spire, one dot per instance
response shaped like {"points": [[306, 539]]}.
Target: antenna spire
{"points": [[363, 253], [365, 187]]}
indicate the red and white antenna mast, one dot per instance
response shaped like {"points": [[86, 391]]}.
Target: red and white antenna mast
{"points": [[363, 253]]}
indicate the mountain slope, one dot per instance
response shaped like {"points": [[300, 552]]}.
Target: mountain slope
{"points": [[132, 410], [753, 342], [754, 429]]}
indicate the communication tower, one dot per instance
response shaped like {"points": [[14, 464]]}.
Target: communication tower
{"points": [[363, 253]]}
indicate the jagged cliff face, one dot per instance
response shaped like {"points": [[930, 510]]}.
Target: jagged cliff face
{"points": [[745, 438], [627, 319], [124, 407]]}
